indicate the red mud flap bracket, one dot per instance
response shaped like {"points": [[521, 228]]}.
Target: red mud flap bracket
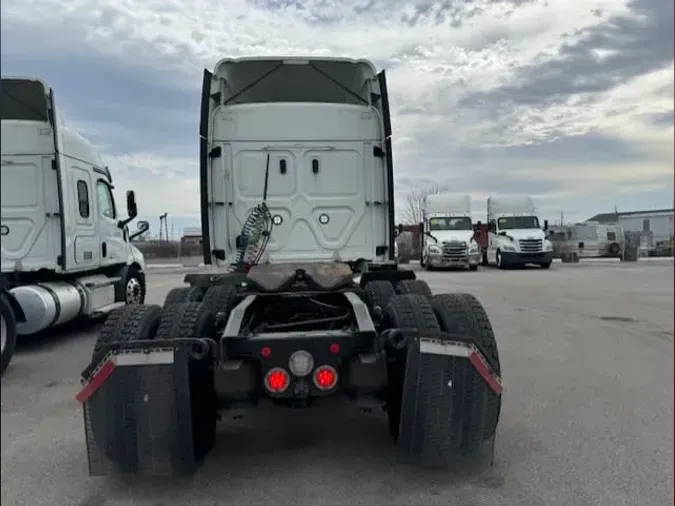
{"points": [[137, 413], [465, 350], [451, 402]]}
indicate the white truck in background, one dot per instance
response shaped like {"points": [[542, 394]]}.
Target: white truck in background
{"points": [[515, 236], [447, 233], [66, 251]]}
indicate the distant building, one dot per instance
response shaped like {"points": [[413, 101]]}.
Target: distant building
{"points": [[658, 224], [191, 237]]}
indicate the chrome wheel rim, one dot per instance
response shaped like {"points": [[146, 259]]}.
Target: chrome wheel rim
{"points": [[134, 291]]}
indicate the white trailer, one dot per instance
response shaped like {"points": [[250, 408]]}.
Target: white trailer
{"points": [[66, 250], [515, 236], [447, 238]]}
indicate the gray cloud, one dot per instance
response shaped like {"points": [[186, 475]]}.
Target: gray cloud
{"points": [[635, 45]]}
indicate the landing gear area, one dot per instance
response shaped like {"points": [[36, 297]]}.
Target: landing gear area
{"points": [[161, 377]]}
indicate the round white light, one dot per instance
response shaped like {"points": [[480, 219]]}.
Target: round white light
{"points": [[301, 363], [277, 219], [323, 219]]}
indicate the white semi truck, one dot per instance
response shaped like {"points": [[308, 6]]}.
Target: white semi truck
{"points": [[515, 236], [297, 201], [447, 238], [66, 249]]}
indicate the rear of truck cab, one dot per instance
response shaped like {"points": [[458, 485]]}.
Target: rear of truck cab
{"points": [[319, 130]]}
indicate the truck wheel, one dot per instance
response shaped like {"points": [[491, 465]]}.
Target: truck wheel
{"points": [[378, 293], [184, 294], [131, 289], [409, 311], [108, 411], [499, 261], [192, 319], [463, 315], [220, 299], [545, 265], [473, 268], [8, 329], [416, 286]]}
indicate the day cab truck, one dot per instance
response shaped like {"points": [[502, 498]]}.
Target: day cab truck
{"points": [[447, 238], [66, 250], [515, 236], [303, 301]]}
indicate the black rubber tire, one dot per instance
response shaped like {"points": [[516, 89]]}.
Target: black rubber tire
{"points": [[193, 319], [614, 248], [404, 311], [131, 323], [137, 322], [473, 268], [463, 315], [220, 299], [416, 286], [184, 294], [378, 293], [128, 274], [545, 265], [499, 262], [9, 320]]}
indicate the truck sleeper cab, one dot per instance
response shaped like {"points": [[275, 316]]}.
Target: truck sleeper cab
{"points": [[447, 233], [66, 250], [315, 134], [515, 237]]}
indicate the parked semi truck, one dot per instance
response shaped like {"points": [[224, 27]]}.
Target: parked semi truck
{"points": [[515, 236], [447, 238], [304, 301], [66, 249]]}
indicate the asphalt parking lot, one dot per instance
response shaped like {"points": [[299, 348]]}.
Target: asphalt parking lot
{"points": [[587, 419]]}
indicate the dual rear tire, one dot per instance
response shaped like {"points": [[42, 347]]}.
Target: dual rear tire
{"points": [[417, 401], [114, 417]]}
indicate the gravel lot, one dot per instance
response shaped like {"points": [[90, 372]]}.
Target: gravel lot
{"points": [[587, 355]]}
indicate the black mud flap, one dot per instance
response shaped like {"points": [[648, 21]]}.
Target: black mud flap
{"points": [[450, 404], [137, 413]]}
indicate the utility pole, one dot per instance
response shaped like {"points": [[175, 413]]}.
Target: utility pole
{"points": [[562, 223], [163, 227]]}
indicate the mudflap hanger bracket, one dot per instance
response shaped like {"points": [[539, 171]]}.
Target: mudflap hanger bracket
{"points": [[139, 401]]}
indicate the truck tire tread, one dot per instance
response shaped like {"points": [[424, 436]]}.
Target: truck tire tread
{"points": [[10, 327], [130, 323], [416, 286], [378, 293], [462, 314], [404, 311], [194, 319], [220, 299]]}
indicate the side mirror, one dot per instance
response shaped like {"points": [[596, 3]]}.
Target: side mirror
{"points": [[545, 225], [132, 210], [143, 226], [479, 223], [398, 230]]}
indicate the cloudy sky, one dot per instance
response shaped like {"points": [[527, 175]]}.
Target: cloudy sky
{"points": [[570, 101]]}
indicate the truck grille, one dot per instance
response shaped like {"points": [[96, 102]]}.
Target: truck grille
{"points": [[454, 250], [530, 245]]}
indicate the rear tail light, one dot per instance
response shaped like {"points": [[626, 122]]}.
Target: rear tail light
{"points": [[325, 377], [277, 380]]}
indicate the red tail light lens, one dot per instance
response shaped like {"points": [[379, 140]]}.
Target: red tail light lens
{"points": [[325, 377], [277, 380]]}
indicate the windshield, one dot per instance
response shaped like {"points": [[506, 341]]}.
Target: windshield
{"points": [[462, 223], [518, 222]]}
